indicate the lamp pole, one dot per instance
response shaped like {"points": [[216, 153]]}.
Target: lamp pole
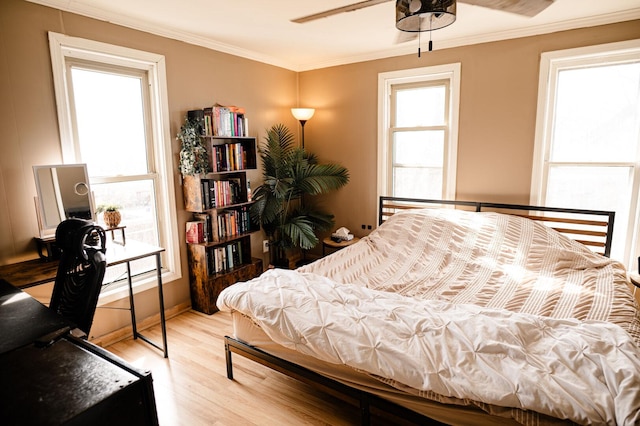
{"points": [[302, 122]]}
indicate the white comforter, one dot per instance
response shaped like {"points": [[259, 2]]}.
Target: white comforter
{"points": [[588, 372]]}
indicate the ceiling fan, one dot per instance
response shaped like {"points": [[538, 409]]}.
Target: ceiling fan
{"points": [[520, 7]]}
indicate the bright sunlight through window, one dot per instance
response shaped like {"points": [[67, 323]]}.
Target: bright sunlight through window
{"points": [[588, 154]]}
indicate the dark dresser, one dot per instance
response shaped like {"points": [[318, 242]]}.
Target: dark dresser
{"points": [[49, 377]]}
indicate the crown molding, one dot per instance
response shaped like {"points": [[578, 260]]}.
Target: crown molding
{"points": [[411, 48], [125, 21], [159, 30]]}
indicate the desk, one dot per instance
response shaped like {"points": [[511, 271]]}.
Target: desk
{"points": [[23, 319], [134, 250], [61, 379], [29, 273], [36, 272]]}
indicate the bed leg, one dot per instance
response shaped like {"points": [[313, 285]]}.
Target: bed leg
{"points": [[365, 413], [227, 354]]}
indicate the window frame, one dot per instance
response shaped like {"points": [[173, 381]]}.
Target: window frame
{"points": [[65, 49], [551, 63], [418, 76]]}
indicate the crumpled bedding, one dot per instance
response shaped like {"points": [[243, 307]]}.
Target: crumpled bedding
{"points": [[584, 371], [513, 268], [487, 259]]}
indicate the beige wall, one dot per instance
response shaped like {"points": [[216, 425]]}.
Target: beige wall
{"points": [[499, 87], [497, 116], [197, 77]]}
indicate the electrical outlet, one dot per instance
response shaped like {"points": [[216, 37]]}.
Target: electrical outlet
{"points": [[265, 246]]}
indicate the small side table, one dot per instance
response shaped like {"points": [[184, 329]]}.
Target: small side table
{"points": [[328, 242], [47, 249], [113, 238]]}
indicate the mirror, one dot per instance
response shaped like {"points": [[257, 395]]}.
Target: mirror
{"points": [[63, 192]]}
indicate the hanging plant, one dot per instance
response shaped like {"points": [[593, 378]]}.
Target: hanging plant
{"points": [[193, 155]]}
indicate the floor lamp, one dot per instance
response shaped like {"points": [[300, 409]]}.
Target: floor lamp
{"points": [[302, 115]]}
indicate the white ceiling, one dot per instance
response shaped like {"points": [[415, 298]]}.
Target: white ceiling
{"points": [[261, 29]]}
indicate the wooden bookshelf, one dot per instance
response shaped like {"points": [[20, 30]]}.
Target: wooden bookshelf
{"points": [[220, 203]]}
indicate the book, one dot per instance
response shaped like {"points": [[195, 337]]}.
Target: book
{"points": [[229, 256], [195, 232], [236, 254], [207, 231], [206, 201], [235, 190], [240, 255], [228, 121], [213, 195], [208, 121]]}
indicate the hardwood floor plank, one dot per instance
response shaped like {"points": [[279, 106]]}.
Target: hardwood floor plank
{"points": [[191, 386]]}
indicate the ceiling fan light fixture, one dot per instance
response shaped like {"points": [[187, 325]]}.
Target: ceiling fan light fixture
{"points": [[424, 15]]}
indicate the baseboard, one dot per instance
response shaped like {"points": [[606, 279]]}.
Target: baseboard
{"points": [[127, 332]]}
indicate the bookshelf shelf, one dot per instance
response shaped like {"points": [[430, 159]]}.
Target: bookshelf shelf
{"points": [[219, 236]]}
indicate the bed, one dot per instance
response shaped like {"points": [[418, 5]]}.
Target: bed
{"points": [[457, 312]]}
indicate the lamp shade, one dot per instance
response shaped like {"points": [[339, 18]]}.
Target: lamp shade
{"points": [[424, 15], [302, 114]]}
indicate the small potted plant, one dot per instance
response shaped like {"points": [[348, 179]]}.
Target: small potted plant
{"points": [[110, 214]]}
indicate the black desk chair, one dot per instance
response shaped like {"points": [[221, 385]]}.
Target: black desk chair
{"points": [[80, 271]]}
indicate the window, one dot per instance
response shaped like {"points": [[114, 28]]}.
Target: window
{"points": [[418, 132], [587, 152], [112, 112]]}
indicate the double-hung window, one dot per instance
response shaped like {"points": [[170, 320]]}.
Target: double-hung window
{"points": [[417, 145], [587, 149], [112, 112]]}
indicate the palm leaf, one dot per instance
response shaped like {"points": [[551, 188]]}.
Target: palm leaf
{"points": [[315, 179], [298, 232]]}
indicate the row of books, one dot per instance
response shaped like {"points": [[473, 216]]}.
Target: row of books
{"points": [[221, 120], [226, 224], [228, 157], [224, 258], [220, 193]]}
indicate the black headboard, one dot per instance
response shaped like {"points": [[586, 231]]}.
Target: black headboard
{"points": [[593, 228]]}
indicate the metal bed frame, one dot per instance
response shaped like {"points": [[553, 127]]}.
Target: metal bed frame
{"points": [[595, 228], [366, 401]]}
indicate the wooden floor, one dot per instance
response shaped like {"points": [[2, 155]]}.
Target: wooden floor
{"points": [[191, 386]]}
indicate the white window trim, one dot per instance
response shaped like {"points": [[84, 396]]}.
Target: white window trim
{"points": [[62, 47], [550, 63], [385, 81]]}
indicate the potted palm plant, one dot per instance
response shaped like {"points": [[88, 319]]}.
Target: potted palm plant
{"points": [[283, 204]]}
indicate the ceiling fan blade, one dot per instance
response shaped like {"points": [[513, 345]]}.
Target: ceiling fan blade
{"points": [[521, 7], [331, 12]]}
